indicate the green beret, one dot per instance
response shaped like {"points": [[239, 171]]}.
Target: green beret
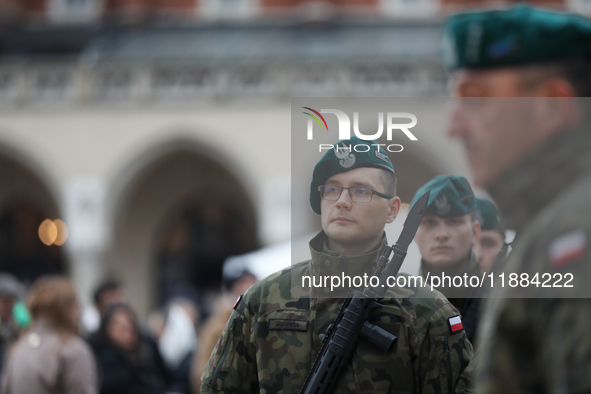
{"points": [[488, 216], [346, 155], [512, 37], [450, 196]]}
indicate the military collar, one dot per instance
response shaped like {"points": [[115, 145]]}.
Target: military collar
{"points": [[452, 292], [325, 261], [473, 267], [522, 192]]}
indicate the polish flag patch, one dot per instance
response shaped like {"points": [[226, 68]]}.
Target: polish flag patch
{"points": [[455, 324], [567, 248], [238, 301]]}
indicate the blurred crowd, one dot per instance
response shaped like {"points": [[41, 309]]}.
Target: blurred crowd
{"points": [[46, 348]]}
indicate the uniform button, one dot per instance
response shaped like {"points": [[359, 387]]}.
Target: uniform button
{"points": [[327, 263]]}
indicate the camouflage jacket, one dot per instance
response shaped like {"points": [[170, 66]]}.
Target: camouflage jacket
{"points": [[539, 343], [466, 300], [271, 340]]}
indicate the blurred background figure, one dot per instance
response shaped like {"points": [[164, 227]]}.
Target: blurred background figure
{"points": [[178, 340], [492, 234], [528, 144], [107, 294], [11, 292], [51, 357], [236, 280], [129, 361]]}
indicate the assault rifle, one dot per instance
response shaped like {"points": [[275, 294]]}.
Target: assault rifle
{"points": [[351, 325]]}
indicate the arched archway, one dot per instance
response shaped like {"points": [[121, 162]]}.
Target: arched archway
{"points": [[25, 202], [177, 221]]}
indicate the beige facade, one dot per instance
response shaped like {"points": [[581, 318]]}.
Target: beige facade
{"points": [[116, 174]]}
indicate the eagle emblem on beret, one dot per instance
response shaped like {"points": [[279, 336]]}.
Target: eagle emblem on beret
{"points": [[347, 159], [442, 205]]}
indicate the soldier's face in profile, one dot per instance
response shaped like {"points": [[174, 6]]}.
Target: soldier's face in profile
{"points": [[486, 249], [445, 241], [352, 227], [500, 117]]}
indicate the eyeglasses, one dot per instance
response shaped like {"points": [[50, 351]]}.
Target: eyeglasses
{"points": [[357, 194]]}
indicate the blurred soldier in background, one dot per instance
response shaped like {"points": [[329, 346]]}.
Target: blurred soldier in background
{"points": [[272, 337], [492, 234], [446, 237], [51, 357], [534, 158]]}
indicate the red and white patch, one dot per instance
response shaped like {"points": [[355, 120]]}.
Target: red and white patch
{"points": [[238, 301], [455, 324], [567, 248]]}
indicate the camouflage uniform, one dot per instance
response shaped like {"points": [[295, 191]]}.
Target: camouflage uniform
{"points": [[538, 342], [452, 196], [542, 345], [271, 340], [466, 301]]}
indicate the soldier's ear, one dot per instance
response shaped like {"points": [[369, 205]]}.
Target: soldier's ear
{"points": [[556, 87], [476, 230], [555, 106], [393, 209]]}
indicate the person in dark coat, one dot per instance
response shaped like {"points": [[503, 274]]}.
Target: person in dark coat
{"points": [[129, 361]]}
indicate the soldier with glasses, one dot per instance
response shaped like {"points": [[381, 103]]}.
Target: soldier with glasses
{"points": [[271, 340]]}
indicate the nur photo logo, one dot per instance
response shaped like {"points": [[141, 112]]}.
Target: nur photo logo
{"points": [[395, 122]]}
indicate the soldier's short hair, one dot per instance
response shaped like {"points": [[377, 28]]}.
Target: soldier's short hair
{"points": [[389, 181], [575, 70]]}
